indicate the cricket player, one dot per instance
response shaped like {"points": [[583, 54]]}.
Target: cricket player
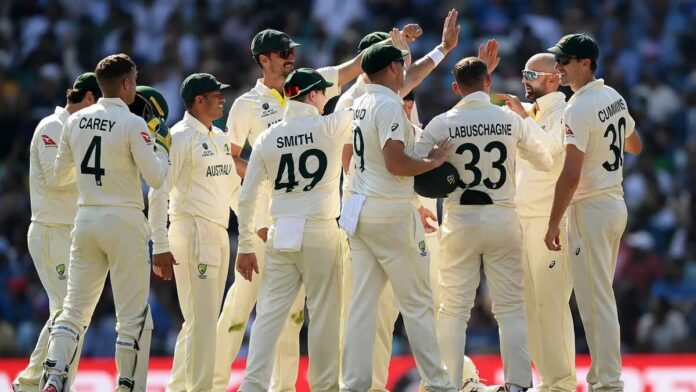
{"points": [[107, 148], [598, 129], [480, 225], [303, 154], [200, 189], [53, 211], [386, 234], [252, 113], [551, 337]]}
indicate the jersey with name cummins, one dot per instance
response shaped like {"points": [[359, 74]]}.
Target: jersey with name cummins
{"points": [[487, 140]]}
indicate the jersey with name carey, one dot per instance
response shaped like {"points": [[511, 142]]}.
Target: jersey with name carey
{"points": [[597, 122], [487, 140]]}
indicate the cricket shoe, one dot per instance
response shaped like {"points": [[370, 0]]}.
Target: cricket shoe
{"points": [[53, 384], [472, 385]]}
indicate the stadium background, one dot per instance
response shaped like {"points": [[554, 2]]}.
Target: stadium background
{"points": [[648, 55]]}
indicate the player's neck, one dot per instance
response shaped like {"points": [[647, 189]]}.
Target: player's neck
{"points": [[582, 82], [275, 82]]}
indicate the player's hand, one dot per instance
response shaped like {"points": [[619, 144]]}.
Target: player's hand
{"points": [[440, 151], [246, 265], [412, 31], [489, 55], [553, 238], [263, 234], [424, 215], [399, 41], [513, 103], [162, 265], [160, 133], [450, 31]]}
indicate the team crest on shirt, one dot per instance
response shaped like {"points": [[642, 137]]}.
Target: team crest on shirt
{"points": [[202, 271], [422, 249], [207, 152], [48, 142], [60, 269], [146, 137]]}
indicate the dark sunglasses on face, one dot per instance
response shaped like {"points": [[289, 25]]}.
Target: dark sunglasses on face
{"points": [[286, 53], [564, 60], [533, 75]]}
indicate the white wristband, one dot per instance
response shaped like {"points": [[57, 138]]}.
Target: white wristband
{"points": [[436, 55]]}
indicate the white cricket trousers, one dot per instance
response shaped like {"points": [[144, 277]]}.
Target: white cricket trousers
{"points": [[385, 248], [49, 247], [490, 236], [202, 249], [318, 266], [231, 326], [595, 228], [547, 289], [113, 241]]}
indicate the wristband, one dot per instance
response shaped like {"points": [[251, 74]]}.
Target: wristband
{"points": [[436, 55]]}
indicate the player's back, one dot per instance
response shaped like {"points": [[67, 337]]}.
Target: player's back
{"points": [[487, 139], [597, 122], [377, 115], [106, 140], [302, 158]]}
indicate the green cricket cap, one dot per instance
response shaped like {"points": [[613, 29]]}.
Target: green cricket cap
{"points": [[88, 82], [302, 81], [378, 56], [371, 39], [200, 83], [578, 45], [270, 40]]}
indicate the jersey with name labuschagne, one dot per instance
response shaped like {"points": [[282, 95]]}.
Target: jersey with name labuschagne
{"points": [[108, 148], [202, 181], [535, 188], [300, 158], [49, 204], [378, 116], [256, 110], [597, 122], [486, 140]]}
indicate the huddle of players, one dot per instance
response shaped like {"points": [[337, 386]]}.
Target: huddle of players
{"points": [[295, 239]]}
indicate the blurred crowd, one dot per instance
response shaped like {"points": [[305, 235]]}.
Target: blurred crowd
{"points": [[648, 53]]}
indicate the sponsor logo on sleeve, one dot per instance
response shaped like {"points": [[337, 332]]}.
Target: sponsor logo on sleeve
{"points": [[48, 142], [394, 127], [146, 137]]}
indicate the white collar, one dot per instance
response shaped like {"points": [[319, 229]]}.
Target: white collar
{"points": [[379, 88], [475, 97], [194, 123], [299, 109], [549, 100]]}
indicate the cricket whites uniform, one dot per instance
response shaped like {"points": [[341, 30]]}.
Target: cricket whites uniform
{"points": [[108, 148], [597, 121], [252, 113], [387, 244], [388, 310], [547, 279], [201, 187], [48, 239], [302, 154], [480, 227]]}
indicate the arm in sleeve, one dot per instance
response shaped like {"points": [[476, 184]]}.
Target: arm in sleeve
{"points": [[551, 139], [239, 122], [158, 198], [530, 147], [426, 140], [577, 131], [64, 171], [47, 152], [391, 123], [333, 75], [153, 165], [251, 188], [339, 125]]}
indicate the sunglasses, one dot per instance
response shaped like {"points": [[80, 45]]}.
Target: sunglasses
{"points": [[564, 60], [534, 75], [286, 53]]}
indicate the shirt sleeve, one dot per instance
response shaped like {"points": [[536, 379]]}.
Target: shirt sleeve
{"points": [[577, 131], [339, 125], [550, 139], [153, 164], [426, 140], [331, 75], [46, 144], [239, 122], [64, 171], [252, 186], [158, 198], [391, 122], [530, 147]]}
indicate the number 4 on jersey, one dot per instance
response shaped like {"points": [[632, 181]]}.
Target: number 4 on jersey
{"points": [[97, 171]]}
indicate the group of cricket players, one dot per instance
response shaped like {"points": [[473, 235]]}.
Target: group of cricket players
{"points": [[533, 199]]}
